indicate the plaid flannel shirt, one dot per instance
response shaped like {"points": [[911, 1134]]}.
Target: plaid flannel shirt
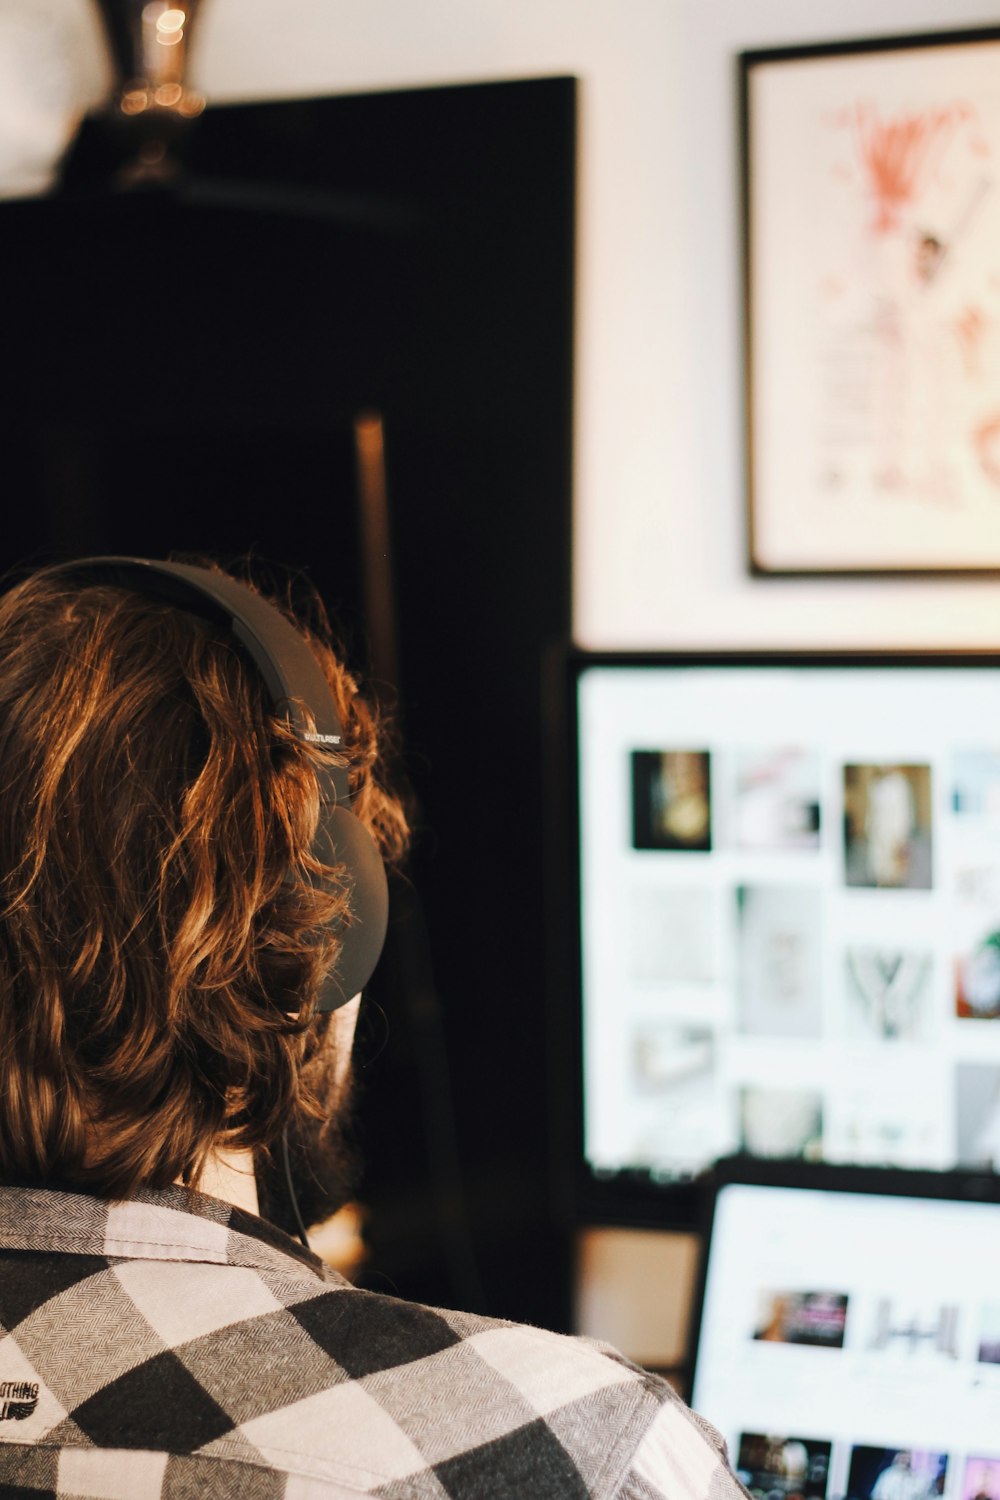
{"points": [[173, 1347]]}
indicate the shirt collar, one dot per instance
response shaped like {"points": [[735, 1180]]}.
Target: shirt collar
{"points": [[171, 1223]]}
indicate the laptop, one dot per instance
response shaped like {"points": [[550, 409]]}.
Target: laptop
{"points": [[848, 1330]]}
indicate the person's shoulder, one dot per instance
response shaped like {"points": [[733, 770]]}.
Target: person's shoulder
{"points": [[264, 1362], [481, 1397]]}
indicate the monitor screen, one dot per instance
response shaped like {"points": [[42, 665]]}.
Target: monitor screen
{"points": [[789, 911], [850, 1343]]}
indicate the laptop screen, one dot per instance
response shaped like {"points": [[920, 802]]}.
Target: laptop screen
{"points": [[850, 1342], [789, 911]]}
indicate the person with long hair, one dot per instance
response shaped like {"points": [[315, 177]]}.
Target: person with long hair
{"points": [[167, 925]]}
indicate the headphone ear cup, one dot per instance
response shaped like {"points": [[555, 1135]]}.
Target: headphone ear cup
{"points": [[341, 839]]}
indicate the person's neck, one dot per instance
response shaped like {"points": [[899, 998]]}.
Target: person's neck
{"points": [[230, 1175]]}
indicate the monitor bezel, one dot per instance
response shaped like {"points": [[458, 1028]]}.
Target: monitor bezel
{"points": [[631, 1199]]}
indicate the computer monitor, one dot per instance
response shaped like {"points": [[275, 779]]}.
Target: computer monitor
{"points": [[849, 1338], [789, 911]]}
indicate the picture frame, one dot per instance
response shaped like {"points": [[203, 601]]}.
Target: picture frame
{"points": [[871, 218]]}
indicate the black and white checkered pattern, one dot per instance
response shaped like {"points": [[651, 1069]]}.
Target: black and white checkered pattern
{"points": [[174, 1347]]}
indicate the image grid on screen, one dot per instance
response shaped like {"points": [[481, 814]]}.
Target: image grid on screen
{"points": [[790, 909]]}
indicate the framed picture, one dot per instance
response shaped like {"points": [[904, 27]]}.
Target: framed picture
{"points": [[872, 295]]}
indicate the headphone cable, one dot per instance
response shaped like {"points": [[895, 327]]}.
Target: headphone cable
{"points": [[293, 1197]]}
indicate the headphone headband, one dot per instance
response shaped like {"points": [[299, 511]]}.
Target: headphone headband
{"points": [[291, 673], [293, 678]]}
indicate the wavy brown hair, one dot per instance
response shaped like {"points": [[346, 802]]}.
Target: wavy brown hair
{"points": [[164, 928]]}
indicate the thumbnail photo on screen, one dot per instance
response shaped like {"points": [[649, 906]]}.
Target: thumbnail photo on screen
{"points": [[671, 935], [671, 799], [785, 1468], [902, 1326], [816, 1318], [889, 994], [977, 980], [776, 799], [989, 1335], [896, 1474], [981, 1480], [977, 1090], [782, 1123], [887, 826], [780, 961]]}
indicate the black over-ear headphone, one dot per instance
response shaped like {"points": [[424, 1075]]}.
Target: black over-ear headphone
{"points": [[294, 681]]}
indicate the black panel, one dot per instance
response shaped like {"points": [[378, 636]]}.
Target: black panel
{"points": [[186, 365]]}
